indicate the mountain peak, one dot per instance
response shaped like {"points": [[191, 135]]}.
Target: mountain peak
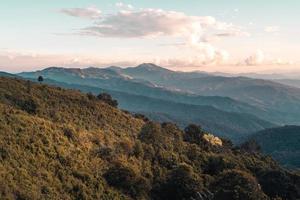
{"points": [[56, 69], [151, 67]]}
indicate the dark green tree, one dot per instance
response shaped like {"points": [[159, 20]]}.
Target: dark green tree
{"points": [[237, 185], [108, 99], [40, 79], [251, 146], [193, 134], [182, 183], [127, 180]]}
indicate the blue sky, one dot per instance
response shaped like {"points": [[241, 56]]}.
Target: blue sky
{"points": [[210, 35]]}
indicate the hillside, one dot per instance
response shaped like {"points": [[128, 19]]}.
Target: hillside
{"points": [[269, 95], [232, 125], [274, 102], [63, 144], [283, 143]]}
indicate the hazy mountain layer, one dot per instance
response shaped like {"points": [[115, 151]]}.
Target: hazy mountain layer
{"points": [[283, 143]]}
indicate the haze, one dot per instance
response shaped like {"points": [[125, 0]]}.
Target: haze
{"points": [[225, 36]]}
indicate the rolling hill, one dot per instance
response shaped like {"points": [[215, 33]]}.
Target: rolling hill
{"points": [[231, 125], [283, 143], [63, 144], [265, 99]]}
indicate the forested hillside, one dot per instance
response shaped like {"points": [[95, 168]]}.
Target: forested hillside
{"points": [[63, 144], [283, 143]]}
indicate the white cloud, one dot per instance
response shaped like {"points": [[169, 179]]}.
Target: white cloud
{"points": [[194, 32], [88, 13], [207, 54], [272, 29], [261, 58], [256, 59], [157, 22]]}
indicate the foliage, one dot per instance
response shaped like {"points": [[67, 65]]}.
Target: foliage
{"points": [[108, 99], [250, 146], [236, 185], [40, 79], [76, 147]]}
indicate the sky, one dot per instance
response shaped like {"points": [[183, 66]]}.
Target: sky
{"points": [[206, 35]]}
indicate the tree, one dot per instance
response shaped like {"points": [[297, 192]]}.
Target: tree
{"points": [[235, 185], [182, 183], [108, 99], [193, 134], [40, 79], [141, 116], [276, 183], [250, 146], [29, 106], [127, 180]]}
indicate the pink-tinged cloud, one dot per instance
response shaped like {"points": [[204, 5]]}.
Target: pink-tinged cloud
{"points": [[88, 13], [157, 22]]}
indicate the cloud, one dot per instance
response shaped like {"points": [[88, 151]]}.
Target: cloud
{"points": [[256, 59], [207, 54], [88, 13], [272, 29], [193, 32], [261, 58], [156, 22]]}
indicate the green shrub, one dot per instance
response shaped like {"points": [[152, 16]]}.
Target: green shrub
{"points": [[127, 180], [237, 185], [181, 183]]}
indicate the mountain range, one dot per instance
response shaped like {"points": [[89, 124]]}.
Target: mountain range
{"points": [[233, 107], [282, 143]]}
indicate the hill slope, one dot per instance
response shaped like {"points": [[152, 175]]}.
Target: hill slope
{"points": [[283, 143], [62, 144], [227, 124], [264, 94], [269, 100]]}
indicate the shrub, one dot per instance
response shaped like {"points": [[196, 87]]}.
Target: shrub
{"points": [[70, 133], [250, 146], [108, 99], [276, 183], [216, 164], [181, 183], [151, 134], [29, 106], [193, 134], [127, 180], [90, 96], [138, 150], [141, 116], [236, 185]]}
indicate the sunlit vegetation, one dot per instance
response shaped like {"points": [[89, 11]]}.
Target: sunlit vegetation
{"points": [[62, 144]]}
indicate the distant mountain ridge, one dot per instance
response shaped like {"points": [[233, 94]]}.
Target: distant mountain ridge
{"points": [[283, 143], [222, 115], [223, 123], [272, 101]]}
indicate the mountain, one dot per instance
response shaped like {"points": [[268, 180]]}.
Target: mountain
{"points": [[283, 143], [290, 82], [274, 102], [5, 74], [159, 75], [63, 144], [227, 124], [264, 94]]}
